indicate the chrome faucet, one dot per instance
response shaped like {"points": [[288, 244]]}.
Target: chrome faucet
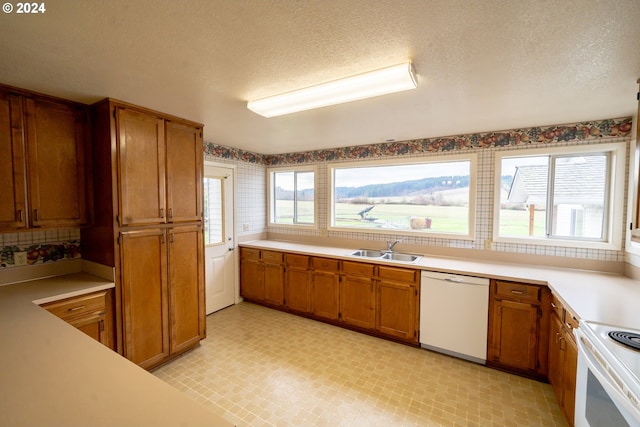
{"points": [[391, 245]]}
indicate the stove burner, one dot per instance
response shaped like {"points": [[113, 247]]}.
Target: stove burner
{"points": [[629, 339]]}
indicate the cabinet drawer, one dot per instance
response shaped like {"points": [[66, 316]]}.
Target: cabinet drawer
{"points": [[399, 274], [557, 307], [272, 256], [78, 306], [293, 260], [249, 253], [358, 268], [324, 264], [571, 321], [517, 291]]}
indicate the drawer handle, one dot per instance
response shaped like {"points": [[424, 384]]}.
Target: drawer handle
{"points": [[325, 264], [80, 307], [514, 291], [569, 326], [554, 306]]}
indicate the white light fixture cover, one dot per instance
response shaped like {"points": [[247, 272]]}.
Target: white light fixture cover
{"points": [[396, 78]]}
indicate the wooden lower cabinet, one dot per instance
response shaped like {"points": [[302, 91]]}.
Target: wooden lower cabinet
{"points": [[162, 292], [380, 300], [563, 358], [357, 304], [297, 283], [251, 275], [90, 313], [273, 283], [396, 305], [518, 328], [185, 271], [262, 276], [325, 288]]}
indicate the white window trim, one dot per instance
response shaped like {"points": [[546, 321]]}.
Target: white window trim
{"points": [[473, 172], [613, 239], [270, 201]]}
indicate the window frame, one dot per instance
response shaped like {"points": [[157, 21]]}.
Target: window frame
{"points": [[472, 158], [271, 195], [614, 202]]}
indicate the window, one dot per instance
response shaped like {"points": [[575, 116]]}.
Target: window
{"points": [[561, 195], [433, 197], [213, 217], [292, 197]]}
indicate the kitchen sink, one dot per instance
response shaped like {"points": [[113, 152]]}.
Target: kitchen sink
{"points": [[395, 256], [385, 256], [367, 253]]}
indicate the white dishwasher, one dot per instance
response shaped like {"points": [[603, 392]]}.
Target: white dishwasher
{"points": [[454, 313]]}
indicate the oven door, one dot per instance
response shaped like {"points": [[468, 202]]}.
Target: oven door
{"points": [[600, 399]]}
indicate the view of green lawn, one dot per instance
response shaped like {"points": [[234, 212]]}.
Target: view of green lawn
{"points": [[444, 219]]}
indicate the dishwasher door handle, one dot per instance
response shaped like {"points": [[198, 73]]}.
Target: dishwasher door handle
{"points": [[454, 279]]}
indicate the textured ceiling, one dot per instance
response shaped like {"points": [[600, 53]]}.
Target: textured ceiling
{"points": [[482, 65]]}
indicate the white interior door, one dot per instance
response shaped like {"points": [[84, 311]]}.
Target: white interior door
{"points": [[219, 237]]}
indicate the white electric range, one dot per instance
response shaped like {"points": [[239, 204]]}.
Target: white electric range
{"points": [[608, 380]]}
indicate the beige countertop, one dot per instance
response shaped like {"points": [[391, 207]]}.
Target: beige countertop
{"points": [[54, 375], [600, 297]]}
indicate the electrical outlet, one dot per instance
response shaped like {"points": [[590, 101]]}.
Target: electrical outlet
{"points": [[487, 244], [19, 258], [245, 227], [323, 232]]}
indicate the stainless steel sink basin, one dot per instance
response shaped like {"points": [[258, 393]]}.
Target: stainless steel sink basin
{"points": [[382, 255], [367, 253], [395, 256]]}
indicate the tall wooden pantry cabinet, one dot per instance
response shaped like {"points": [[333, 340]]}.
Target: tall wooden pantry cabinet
{"points": [[148, 225]]}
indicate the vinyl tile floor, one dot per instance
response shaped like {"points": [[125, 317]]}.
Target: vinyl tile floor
{"points": [[263, 367]]}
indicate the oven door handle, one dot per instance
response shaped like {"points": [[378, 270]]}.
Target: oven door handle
{"points": [[608, 383]]}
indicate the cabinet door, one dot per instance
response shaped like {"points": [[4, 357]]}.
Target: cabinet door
{"points": [[356, 301], [186, 287], [297, 288], [56, 187], [396, 310], [12, 163], [324, 294], [141, 168], [556, 359], [145, 308], [251, 280], [93, 326], [184, 172], [570, 370], [515, 335], [273, 283]]}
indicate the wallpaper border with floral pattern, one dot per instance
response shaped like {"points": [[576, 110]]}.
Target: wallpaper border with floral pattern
{"points": [[583, 131]]}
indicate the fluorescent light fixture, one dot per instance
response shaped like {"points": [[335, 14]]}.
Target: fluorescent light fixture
{"points": [[396, 78]]}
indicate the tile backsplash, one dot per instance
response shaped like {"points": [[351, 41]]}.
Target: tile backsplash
{"points": [[39, 247]]}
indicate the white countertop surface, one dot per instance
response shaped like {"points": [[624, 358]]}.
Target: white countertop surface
{"points": [[54, 375], [601, 297]]}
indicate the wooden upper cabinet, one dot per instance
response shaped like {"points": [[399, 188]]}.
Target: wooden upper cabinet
{"points": [[12, 163], [42, 161], [160, 169], [184, 172], [55, 136], [141, 167]]}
